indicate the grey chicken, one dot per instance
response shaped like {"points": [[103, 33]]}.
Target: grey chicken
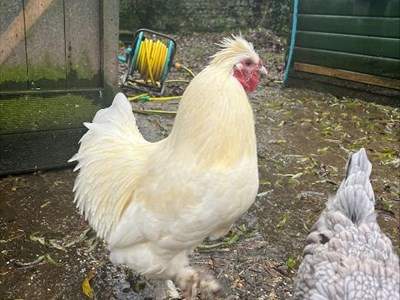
{"points": [[347, 255]]}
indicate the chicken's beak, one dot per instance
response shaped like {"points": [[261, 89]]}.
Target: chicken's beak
{"points": [[263, 71]]}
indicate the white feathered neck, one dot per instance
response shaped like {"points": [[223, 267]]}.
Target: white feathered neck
{"points": [[215, 120]]}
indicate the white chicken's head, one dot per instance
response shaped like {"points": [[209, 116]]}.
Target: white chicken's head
{"points": [[238, 57]]}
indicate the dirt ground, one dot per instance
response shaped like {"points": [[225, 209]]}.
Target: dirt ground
{"points": [[304, 138]]}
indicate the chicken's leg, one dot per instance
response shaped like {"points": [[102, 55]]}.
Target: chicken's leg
{"points": [[192, 282]]}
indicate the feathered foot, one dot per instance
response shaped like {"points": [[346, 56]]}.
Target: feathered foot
{"points": [[188, 281], [192, 283], [208, 286], [164, 290]]}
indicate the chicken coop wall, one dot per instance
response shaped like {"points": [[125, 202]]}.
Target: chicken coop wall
{"points": [[58, 66], [357, 40]]}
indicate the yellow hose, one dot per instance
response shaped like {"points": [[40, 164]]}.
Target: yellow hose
{"points": [[151, 59], [152, 112], [146, 97], [150, 62]]}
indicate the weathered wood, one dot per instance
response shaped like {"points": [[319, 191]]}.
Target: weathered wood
{"points": [[83, 44], [385, 67], [348, 75], [381, 8], [344, 88], [363, 26], [366, 45], [45, 43], [110, 46], [13, 72], [24, 152], [41, 124]]}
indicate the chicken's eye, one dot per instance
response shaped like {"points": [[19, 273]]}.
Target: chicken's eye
{"points": [[248, 62]]}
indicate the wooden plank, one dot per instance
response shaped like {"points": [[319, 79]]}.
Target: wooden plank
{"points": [[46, 47], [348, 75], [344, 88], [13, 69], [26, 152], [366, 26], [384, 67], [30, 113], [32, 126], [381, 8], [110, 22], [373, 46], [83, 50]]}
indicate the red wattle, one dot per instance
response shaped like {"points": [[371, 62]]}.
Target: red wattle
{"points": [[250, 83]]}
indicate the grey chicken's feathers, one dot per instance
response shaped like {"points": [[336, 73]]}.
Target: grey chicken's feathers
{"points": [[347, 256]]}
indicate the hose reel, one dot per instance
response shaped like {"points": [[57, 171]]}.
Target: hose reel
{"points": [[149, 60]]}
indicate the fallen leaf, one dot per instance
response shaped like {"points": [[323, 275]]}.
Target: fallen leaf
{"points": [[86, 287], [93, 244], [282, 222], [36, 238], [56, 244], [265, 182], [291, 261], [51, 260]]}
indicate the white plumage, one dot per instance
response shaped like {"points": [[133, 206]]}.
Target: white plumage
{"points": [[154, 202], [347, 256]]}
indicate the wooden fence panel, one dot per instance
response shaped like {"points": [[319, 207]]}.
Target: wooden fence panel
{"points": [[13, 70], [69, 71], [83, 47], [45, 42]]}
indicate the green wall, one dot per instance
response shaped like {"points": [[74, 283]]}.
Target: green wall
{"points": [[356, 35]]}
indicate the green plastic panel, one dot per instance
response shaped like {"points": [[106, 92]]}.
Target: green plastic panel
{"points": [[372, 46], [365, 26], [371, 8], [385, 67]]}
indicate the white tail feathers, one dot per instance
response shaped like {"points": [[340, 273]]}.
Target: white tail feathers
{"points": [[355, 196], [119, 114], [110, 161]]}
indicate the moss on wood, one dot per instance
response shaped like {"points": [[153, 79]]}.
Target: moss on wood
{"points": [[47, 69], [28, 114], [14, 73], [84, 67]]}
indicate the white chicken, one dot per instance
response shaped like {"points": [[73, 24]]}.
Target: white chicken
{"points": [[153, 203], [347, 256]]}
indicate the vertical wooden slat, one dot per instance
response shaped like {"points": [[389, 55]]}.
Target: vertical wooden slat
{"points": [[109, 25], [45, 42], [83, 45], [42, 128], [13, 70]]}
